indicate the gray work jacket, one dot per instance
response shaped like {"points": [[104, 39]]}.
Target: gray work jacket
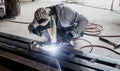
{"points": [[67, 18]]}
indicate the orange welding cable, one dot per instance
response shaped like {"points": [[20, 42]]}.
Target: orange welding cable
{"points": [[86, 41], [95, 30], [99, 46]]}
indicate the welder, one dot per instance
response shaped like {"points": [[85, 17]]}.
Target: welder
{"points": [[58, 23]]}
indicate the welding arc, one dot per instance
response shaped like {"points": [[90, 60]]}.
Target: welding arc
{"points": [[99, 46]]}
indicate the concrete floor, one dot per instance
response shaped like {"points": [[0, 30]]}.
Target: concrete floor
{"points": [[109, 20]]}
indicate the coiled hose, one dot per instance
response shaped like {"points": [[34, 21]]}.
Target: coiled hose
{"points": [[95, 30]]}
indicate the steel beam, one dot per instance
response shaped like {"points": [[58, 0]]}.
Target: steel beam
{"points": [[14, 66], [68, 58]]}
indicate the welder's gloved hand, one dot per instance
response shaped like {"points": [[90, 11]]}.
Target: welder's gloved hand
{"points": [[76, 36], [37, 32], [33, 44], [67, 37], [36, 44]]}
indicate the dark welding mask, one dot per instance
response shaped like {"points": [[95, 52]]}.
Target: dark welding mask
{"points": [[48, 25], [41, 28]]}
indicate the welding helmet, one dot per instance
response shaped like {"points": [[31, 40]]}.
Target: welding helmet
{"points": [[40, 15], [40, 28]]}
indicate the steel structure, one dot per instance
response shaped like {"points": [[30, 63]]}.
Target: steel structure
{"points": [[67, 58]]}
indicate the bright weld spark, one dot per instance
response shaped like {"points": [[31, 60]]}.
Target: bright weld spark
{"points": [[50, 48], [53, 49]]}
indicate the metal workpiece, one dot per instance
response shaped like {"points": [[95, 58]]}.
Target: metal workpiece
{"points": [[65, 59], [15, 66], [15, 38]]}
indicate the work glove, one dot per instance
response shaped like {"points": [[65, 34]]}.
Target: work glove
{"points": [[67, 37], [76, 36], [36, 44]]}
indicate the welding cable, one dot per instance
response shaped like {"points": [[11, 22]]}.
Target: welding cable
{"points": [[11, 20], [99, 46], [86, 41], [17, 21], [108, 36], [93, 29]]}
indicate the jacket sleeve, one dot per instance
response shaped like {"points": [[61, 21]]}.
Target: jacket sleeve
{"points": [[80, 24], [68, 17], [32, 28]]}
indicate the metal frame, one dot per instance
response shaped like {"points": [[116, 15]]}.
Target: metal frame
{"points": [[68, 58]]}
